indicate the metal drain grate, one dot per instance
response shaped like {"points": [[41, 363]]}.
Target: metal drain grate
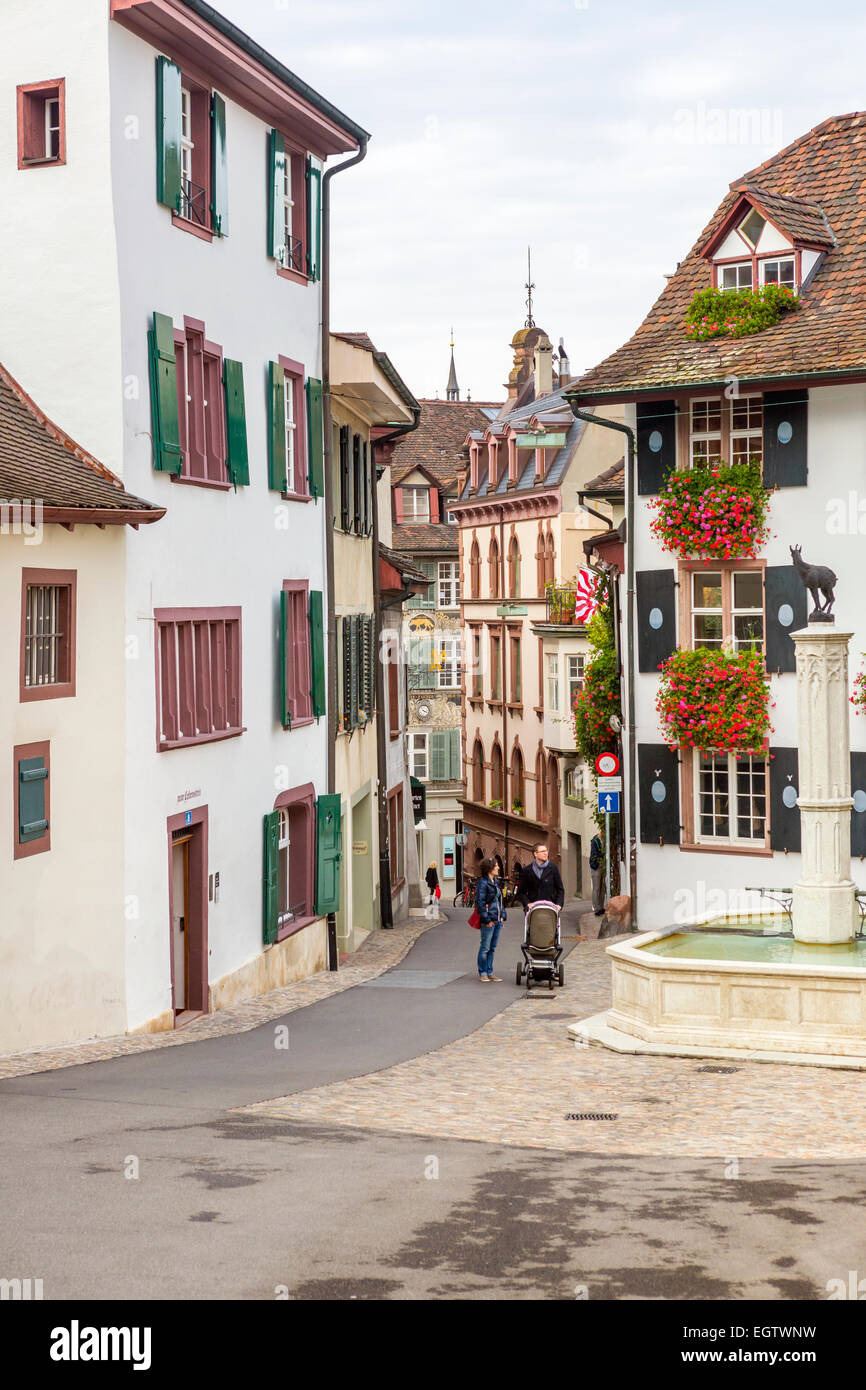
{"points": [[720, 1071], [590, 1115]]}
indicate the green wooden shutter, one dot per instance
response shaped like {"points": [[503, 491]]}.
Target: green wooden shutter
{"points": [[317, 653], [219, 206], [168, 133], [167, 456], [237, 456], [276, 176], [454, 768], [315, 455], [438, 757], [285, 649], [371, 665], [32, 778], [354, 669], [270, 877], [428, 598], [276, 427], [314, 218], [328, 856]]}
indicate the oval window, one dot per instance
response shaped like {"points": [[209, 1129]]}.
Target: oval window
{"points": [[859, 800], [656, 618], [786, 615], [784, 432], [789, 797], [658, 791], [655, 441]]}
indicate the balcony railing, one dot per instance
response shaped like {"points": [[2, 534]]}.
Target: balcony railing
{"points": [[290, 253], [192, 202], [561, 600]]}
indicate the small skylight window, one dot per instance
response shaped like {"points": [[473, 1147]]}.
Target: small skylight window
{"points": [[753, 226]]}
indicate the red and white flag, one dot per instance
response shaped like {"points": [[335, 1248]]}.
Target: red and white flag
{"points": [[586, 600]]}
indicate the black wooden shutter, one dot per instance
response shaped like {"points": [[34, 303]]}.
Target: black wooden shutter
{"points": [[785, 463], [656, 617], [784, 811], [658, 778], [858, 815], [344, 477], [356, 483], [785, 605], [656, 445]]}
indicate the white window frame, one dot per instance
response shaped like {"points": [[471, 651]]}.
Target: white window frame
{"points": [[778, 261], [290, 427], [575, 673], [733, 764], [553, 682], [753, 430], [449, 515], [704, 612], [745, 643], [728, 640], [575, 784], [705, 438], [284, 850], [737, 267], [448, 584], [419, 747], [187, 145], [448, 664], [52, 126], [288, 202], [753, 212], [414, 515]]}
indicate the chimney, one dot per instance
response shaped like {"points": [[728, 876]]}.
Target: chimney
{"points": [[543, 367], [564, 366]]}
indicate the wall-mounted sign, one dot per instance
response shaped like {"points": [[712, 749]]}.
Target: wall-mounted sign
{"points": [[541, 441], [420, 623], [360, 847], [419, 799]]}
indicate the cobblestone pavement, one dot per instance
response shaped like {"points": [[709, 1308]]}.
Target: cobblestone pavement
{"points": [[380, 951], [518, 1078]]}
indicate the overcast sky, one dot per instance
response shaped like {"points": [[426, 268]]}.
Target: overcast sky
{"points": [[602, 132]]}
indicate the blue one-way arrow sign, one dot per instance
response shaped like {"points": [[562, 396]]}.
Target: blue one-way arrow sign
{"points": [[609, 802]]}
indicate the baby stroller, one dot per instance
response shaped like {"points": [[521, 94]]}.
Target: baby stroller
{"points": [[541, 946]]}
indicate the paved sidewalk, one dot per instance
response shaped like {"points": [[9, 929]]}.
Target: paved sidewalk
{"points": [[381, 951]]}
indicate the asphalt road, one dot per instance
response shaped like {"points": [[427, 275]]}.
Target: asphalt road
{"points": [[130, 1179]]}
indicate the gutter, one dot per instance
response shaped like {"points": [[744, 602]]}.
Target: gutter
{"points": [[625, 394], [386, 909], [328, 451], [630, 599]]}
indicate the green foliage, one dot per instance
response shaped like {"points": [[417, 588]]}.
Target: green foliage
{"points": [[714, 700], [737, 313], [719, 511], [599, 698]]}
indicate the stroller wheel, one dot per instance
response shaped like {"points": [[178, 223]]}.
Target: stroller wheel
{"points": [[551, 981], [561, 973], [529, 981], [519, 972]]}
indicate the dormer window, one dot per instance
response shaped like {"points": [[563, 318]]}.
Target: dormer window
{"points": [[736, 277], [416, 504], [780, 272], [752, 227]]}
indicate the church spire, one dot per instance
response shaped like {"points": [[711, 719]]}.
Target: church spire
{"points": [[452, 390]]}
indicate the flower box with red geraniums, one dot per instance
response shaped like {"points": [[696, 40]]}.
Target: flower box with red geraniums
{"points": [[714, 700], [716, 512], [858, 699], [737, 313]]}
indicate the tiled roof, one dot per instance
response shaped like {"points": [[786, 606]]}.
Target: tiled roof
{"points": [[552, 404], [360, 340], [437, 444], [39, 461], [610, 482], [825, 170], [796, 218], [383, 362], [417, 536]]}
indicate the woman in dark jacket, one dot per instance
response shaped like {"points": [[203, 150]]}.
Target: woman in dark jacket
{"points": [[432, 878], [488, 900]]}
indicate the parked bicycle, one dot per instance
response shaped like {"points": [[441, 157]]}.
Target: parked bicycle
{"points": [[466, 896]]}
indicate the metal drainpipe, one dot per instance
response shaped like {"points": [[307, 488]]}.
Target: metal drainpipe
{"points": [[506, 666], [385, 911], [629, 620], [331, 642]]}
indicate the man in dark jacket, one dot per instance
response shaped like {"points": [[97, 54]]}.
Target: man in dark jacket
{"points": [[540, 881]]}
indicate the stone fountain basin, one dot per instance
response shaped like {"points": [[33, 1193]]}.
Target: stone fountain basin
{"points": [[814, 1002]]}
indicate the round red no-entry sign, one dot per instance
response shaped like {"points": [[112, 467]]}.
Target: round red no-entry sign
{"points": [[607, 764]]}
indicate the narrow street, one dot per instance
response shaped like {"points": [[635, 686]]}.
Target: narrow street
{"points": [[146, 1177]]}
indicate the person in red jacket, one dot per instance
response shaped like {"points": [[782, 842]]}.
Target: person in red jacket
{"points": [[541, 880]]}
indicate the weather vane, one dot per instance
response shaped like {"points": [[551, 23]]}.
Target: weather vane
{"points": [[530, 321]]}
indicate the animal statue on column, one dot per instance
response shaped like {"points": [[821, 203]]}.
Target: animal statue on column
{"points": [[817, 579]]}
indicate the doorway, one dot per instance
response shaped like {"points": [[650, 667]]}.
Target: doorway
{"points": [[575, 864], [188, 914]]}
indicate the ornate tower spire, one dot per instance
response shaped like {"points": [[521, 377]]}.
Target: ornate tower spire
{"points": [[529, 287], [452, 390]]}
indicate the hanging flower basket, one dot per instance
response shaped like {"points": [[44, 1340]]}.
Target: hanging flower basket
{"points": [[714, 700], [717, 512], [858, 699], [737, 313]]}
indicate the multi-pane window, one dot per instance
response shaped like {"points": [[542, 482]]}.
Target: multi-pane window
{"points": [[418, 756], [705, 439], [198, 657], [747, 426], [47, 638], [448, 664], [427, 597], [450, 516], [780, 272], [476, 665], [495, 666], [516, 670], [187, 144], [736, 277], [201, 405], [576, 663], [416, 504], [730, 797], [728, 609], [41, 121], [574, 783], [298, 699], [553, 682], [288, 205], [289, 397], [292, 887], [449, 584], [752, 226]]}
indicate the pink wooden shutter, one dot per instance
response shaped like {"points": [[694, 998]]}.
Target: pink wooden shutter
{"points": [[398, 505], [434, 504]]}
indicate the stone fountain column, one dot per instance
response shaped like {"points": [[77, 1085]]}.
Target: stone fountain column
{"points": [[824, 909]]}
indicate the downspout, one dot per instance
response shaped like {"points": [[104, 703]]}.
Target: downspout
{"points": [[505, 658], [330, 620], [385, 910], [590, 419]]}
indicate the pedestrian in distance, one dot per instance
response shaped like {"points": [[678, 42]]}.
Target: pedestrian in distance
{"points": [[432, 878], [596, 871], [491, 912], [541, 880]]}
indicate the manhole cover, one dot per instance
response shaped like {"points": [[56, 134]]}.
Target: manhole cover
{"points": [[590, 1115], [720, 1071], [551, 1017]]}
